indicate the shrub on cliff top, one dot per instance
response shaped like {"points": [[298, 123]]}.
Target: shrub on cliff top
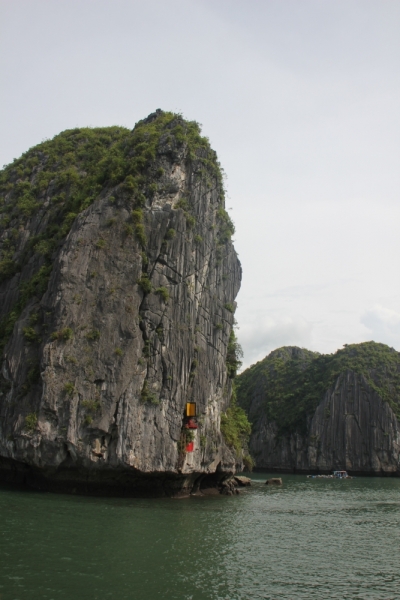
{"points": [[31, 422], [93, 335], [7, 269], [91, 405], [146, 396], [137, 218], [145, 284], [69, 388], [163, 292], [233, 355], [226, 226], [63, 335]]}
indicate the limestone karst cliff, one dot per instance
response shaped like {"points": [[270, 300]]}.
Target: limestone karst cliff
{"points": [[315, 413], [118, 285]]}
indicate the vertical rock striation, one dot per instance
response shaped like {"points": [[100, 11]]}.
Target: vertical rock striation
{"points": [[117, 312]]}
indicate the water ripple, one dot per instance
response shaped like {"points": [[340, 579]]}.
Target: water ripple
{"points": [[317, 539]]}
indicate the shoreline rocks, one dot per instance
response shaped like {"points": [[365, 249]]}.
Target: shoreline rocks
{"points": [[242, 481]]}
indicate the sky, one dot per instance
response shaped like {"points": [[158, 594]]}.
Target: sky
{"points": [[300, 99]]}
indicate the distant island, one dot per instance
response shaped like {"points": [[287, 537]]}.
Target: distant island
{"points": [[313, 413]]}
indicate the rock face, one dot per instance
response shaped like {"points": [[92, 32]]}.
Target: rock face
{"points": [[110, 329], [348, 425], [242, 481]]}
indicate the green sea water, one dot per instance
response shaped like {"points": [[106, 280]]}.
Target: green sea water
{"points": [[309, 539]]}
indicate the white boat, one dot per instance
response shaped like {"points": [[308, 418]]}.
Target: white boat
{"points": [[341, 475], [335, 475]]}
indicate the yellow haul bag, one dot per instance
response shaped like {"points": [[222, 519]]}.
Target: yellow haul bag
{"points": [[190, 409]]}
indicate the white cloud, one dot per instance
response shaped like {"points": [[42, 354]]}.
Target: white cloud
{"points": [[384, 325], [262, 336]]}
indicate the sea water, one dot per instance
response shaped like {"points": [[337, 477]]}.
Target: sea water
{"points": [[307, 539]]}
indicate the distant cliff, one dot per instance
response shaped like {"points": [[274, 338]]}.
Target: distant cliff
{"points": [[118, 280], [315, 413]]}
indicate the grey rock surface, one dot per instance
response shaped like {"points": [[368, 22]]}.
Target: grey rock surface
{"points": [[242, 481], [110, 398]]}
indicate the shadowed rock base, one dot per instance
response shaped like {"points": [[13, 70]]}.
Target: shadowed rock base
{"points": [[110, 482]]}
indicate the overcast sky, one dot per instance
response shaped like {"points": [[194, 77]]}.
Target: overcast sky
{"points": [[300, 99]]}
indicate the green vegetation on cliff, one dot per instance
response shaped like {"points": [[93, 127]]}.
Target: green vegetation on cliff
{"points": [[233, 355], [51, 184], [293, 380], [235, 426]]}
